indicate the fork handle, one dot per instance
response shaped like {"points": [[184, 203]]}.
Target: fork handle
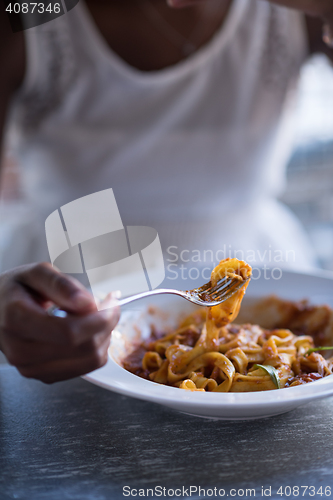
{"points": [[158, 291], [59, 313]]}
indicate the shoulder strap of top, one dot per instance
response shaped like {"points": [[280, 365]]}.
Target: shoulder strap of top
{"points": [[51, 68], [285, 48]]}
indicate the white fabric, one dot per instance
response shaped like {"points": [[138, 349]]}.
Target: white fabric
{"points": [[197, 150]]}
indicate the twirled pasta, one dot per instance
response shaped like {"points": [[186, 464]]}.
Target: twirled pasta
{"points": [[207, 353]]}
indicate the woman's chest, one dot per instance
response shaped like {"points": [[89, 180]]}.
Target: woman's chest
{"points": [[150, 36]]}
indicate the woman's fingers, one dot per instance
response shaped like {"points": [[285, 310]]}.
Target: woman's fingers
{"points": [[24, 354], [63, 290], [64, 369], [26, 320]]}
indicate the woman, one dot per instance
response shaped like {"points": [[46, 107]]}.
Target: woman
{"points": [[180, 111]]}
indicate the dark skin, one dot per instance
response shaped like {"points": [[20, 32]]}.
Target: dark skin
{"points": [[53, 349]]}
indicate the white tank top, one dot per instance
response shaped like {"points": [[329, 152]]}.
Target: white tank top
{"points": [[197, 150]]}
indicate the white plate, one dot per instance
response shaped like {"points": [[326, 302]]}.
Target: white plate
{"points": [[233, 406]]}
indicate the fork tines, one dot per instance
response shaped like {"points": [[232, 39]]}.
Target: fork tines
{"points": [[225, 286]]}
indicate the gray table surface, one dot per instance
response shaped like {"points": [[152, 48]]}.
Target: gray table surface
{"points": [[73, 440]]}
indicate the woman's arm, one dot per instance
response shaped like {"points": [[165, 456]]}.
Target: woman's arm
{"points": [[40, 346], [12, 65], [315, 33]]}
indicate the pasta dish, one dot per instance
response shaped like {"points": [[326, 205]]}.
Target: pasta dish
{"points": [[209, 353]]}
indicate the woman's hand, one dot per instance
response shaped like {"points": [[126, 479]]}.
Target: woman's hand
{"points": [[48, 348]]}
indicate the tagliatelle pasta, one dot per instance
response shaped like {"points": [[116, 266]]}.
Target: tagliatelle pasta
{"points": [[207, 353]]}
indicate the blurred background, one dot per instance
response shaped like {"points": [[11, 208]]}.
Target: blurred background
{"points": [[309, 191]]}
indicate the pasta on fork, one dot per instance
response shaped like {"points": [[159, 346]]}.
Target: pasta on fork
{"points": [[209, 353]]}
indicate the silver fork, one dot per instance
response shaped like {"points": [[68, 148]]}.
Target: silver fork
{"points": [[206, 295]]}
